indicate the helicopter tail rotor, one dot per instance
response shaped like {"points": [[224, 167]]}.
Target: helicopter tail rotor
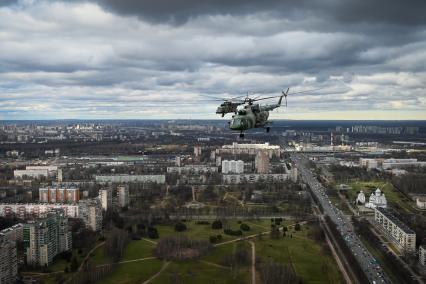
{"points": [[285, 96]]}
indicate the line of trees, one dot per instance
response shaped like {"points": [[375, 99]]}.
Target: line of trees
{"points": [[181, 247], [116, 243]]}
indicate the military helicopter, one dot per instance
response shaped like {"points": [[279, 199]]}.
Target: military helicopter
{"points": [[250, 115]]}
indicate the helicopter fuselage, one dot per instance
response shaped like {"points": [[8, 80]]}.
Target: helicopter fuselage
{"points": [[252, 116]]}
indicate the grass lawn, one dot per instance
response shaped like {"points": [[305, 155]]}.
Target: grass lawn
{"points": [[138, 249], [205, 231], [299, 251], [99, 256], [199, 272], [303, 254], [133, 272]]}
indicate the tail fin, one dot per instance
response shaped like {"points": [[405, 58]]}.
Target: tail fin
{"points": [[281, 98], [284, 95]]}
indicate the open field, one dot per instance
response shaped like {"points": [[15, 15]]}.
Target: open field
{"points": [[306, 257], [303, 254]]}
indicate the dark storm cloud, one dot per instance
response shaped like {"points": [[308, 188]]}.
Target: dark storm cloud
{"points": [[396, 12], [106, 58]]}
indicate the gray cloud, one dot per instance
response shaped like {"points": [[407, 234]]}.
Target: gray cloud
{"points": [[393, 12], [80, 59]]}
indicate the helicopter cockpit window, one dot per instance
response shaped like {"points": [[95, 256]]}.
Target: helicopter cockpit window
{"points": [[236, 121], [241, 110]]}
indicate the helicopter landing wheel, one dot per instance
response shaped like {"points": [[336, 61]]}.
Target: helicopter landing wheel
{"points": [[268, 129], [242, 135]]}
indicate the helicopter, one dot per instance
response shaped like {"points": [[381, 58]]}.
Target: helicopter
{"points": [[251, 115]]}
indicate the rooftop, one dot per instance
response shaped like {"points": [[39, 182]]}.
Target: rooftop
{"points": [[395, 220]]}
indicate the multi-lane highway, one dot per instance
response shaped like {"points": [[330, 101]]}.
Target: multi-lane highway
{"points": [[368, 263]]}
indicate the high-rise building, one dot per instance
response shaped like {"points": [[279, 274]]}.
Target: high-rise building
{"points": [[90, 211], [197, 151], [262, 162], [59, 194], [105, 196], [232, 166], [44, 238], [8, 260], [59, 176], [123, 196]]}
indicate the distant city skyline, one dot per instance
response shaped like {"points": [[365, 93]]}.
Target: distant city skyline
{"points": [[130, 59]]}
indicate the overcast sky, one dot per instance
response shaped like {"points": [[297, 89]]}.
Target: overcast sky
{"points": [[125, 58]]}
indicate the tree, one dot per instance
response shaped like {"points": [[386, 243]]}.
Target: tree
{"points": [[74, 264], [180, 227], [116, 243], [275, 233], [152, 233], [297, 227], [217, 224], [244, 227]]}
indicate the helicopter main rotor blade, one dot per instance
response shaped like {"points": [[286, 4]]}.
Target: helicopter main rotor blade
{"points": [[265, 98], [307, 91]]}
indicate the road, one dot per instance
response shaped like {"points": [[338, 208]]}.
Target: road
{"points": [[368, 263], [253, 262]]}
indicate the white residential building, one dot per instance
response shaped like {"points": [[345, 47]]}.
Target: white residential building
{"points": [[105, 196], [399, 233], [14, 233], [252, 149], [421, 202], [36, 172], [130, 178], [123, 196], [253, 178], [24, 210], [91, 213], [192, 169], [30, 173], [232, 167]]}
